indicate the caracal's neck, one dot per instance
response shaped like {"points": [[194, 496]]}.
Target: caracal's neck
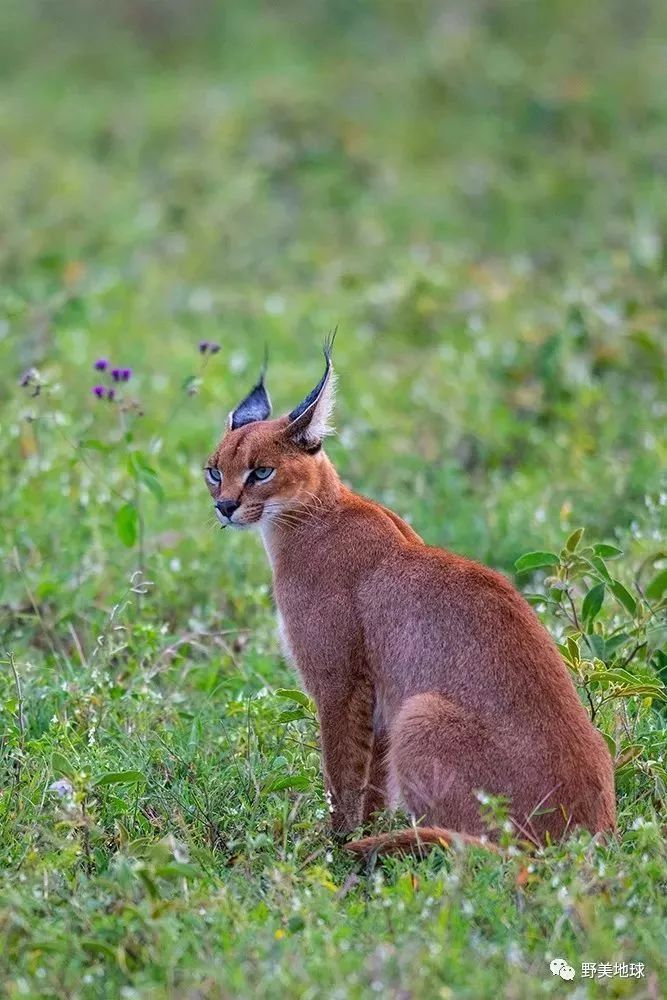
{"points": [[320, 496]]}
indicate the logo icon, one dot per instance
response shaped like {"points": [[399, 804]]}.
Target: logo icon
{"points": [[559, 967]]}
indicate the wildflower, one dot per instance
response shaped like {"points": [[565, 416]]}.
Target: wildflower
{"points": [[126, 374], [62, 788], [208, 347], [31, 377], [101, 365], [203, 346], [99, 391], [111, 394], [116, 374], [214, 348]]}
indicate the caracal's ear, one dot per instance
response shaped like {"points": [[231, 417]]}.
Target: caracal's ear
{"points": [[255, 406], [310, 421]]}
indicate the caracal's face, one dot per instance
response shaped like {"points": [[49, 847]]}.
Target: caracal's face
{"points": [[257, 474], [264, 470]]}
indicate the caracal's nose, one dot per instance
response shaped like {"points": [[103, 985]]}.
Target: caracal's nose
{"points": [[227, 507]]}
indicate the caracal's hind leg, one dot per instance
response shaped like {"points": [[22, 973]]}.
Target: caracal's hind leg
{"points": [[440, 756]]}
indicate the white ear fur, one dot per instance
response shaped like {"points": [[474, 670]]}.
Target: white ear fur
{"points": [[310, 421], [315, 422], [322, 424]]}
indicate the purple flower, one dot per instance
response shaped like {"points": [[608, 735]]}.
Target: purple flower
{"points": [[101, 365], [126, 374], [208, 347], [111, 394], [116, 374], [62, 788], [27, 377], [99, 391]]}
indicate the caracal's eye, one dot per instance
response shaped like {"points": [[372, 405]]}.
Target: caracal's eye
{"points": [[263, 473], [214, 476]]}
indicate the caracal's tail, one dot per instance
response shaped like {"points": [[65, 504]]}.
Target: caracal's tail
{"points": [[416, 839]]}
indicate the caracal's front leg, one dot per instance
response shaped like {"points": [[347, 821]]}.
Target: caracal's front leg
{"points": [[346, 721]]}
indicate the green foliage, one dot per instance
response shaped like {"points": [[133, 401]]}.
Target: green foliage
{"points": [[615, 657], [473, 194], [126, 524]]}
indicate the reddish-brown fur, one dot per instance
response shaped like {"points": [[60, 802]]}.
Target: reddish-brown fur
{"points": [[433, 678]]}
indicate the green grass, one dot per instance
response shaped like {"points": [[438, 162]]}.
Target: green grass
{"points": [[476, 195]]}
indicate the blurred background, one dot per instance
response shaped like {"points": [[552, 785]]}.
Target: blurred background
{"points": [[473, 192]]}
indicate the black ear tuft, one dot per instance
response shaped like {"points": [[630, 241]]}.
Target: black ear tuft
{"points": [[309, 421], [255, 406], [313, 395]]}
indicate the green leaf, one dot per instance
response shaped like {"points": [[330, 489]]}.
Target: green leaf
{"points": [[615, 641], [656, 637], [294, 694], [616, 675], [61, 765], [623, 596], [177, 869], [140, 460], [558, 590], [592, 603], [573, 540], [630, 686], [657, 587], [611, 744], [628, 754], [641, 691], [292, 715], [151, 482], [99, 948], [573, 649], [297, 781], [535, 560], [597, 564], [94, 445], [596, 644], [121, 778], [127, 524], [564, 652], [606, 551]]}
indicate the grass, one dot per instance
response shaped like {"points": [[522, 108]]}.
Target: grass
{"points": [[476, 196]]}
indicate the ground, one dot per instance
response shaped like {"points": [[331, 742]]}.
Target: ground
{"points": [[475, 195]]}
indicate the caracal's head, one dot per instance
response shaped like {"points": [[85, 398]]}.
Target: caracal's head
{"points": [[266, 469]]}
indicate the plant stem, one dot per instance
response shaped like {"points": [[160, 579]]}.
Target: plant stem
{"points": [[141, 527], [19, 699]]}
